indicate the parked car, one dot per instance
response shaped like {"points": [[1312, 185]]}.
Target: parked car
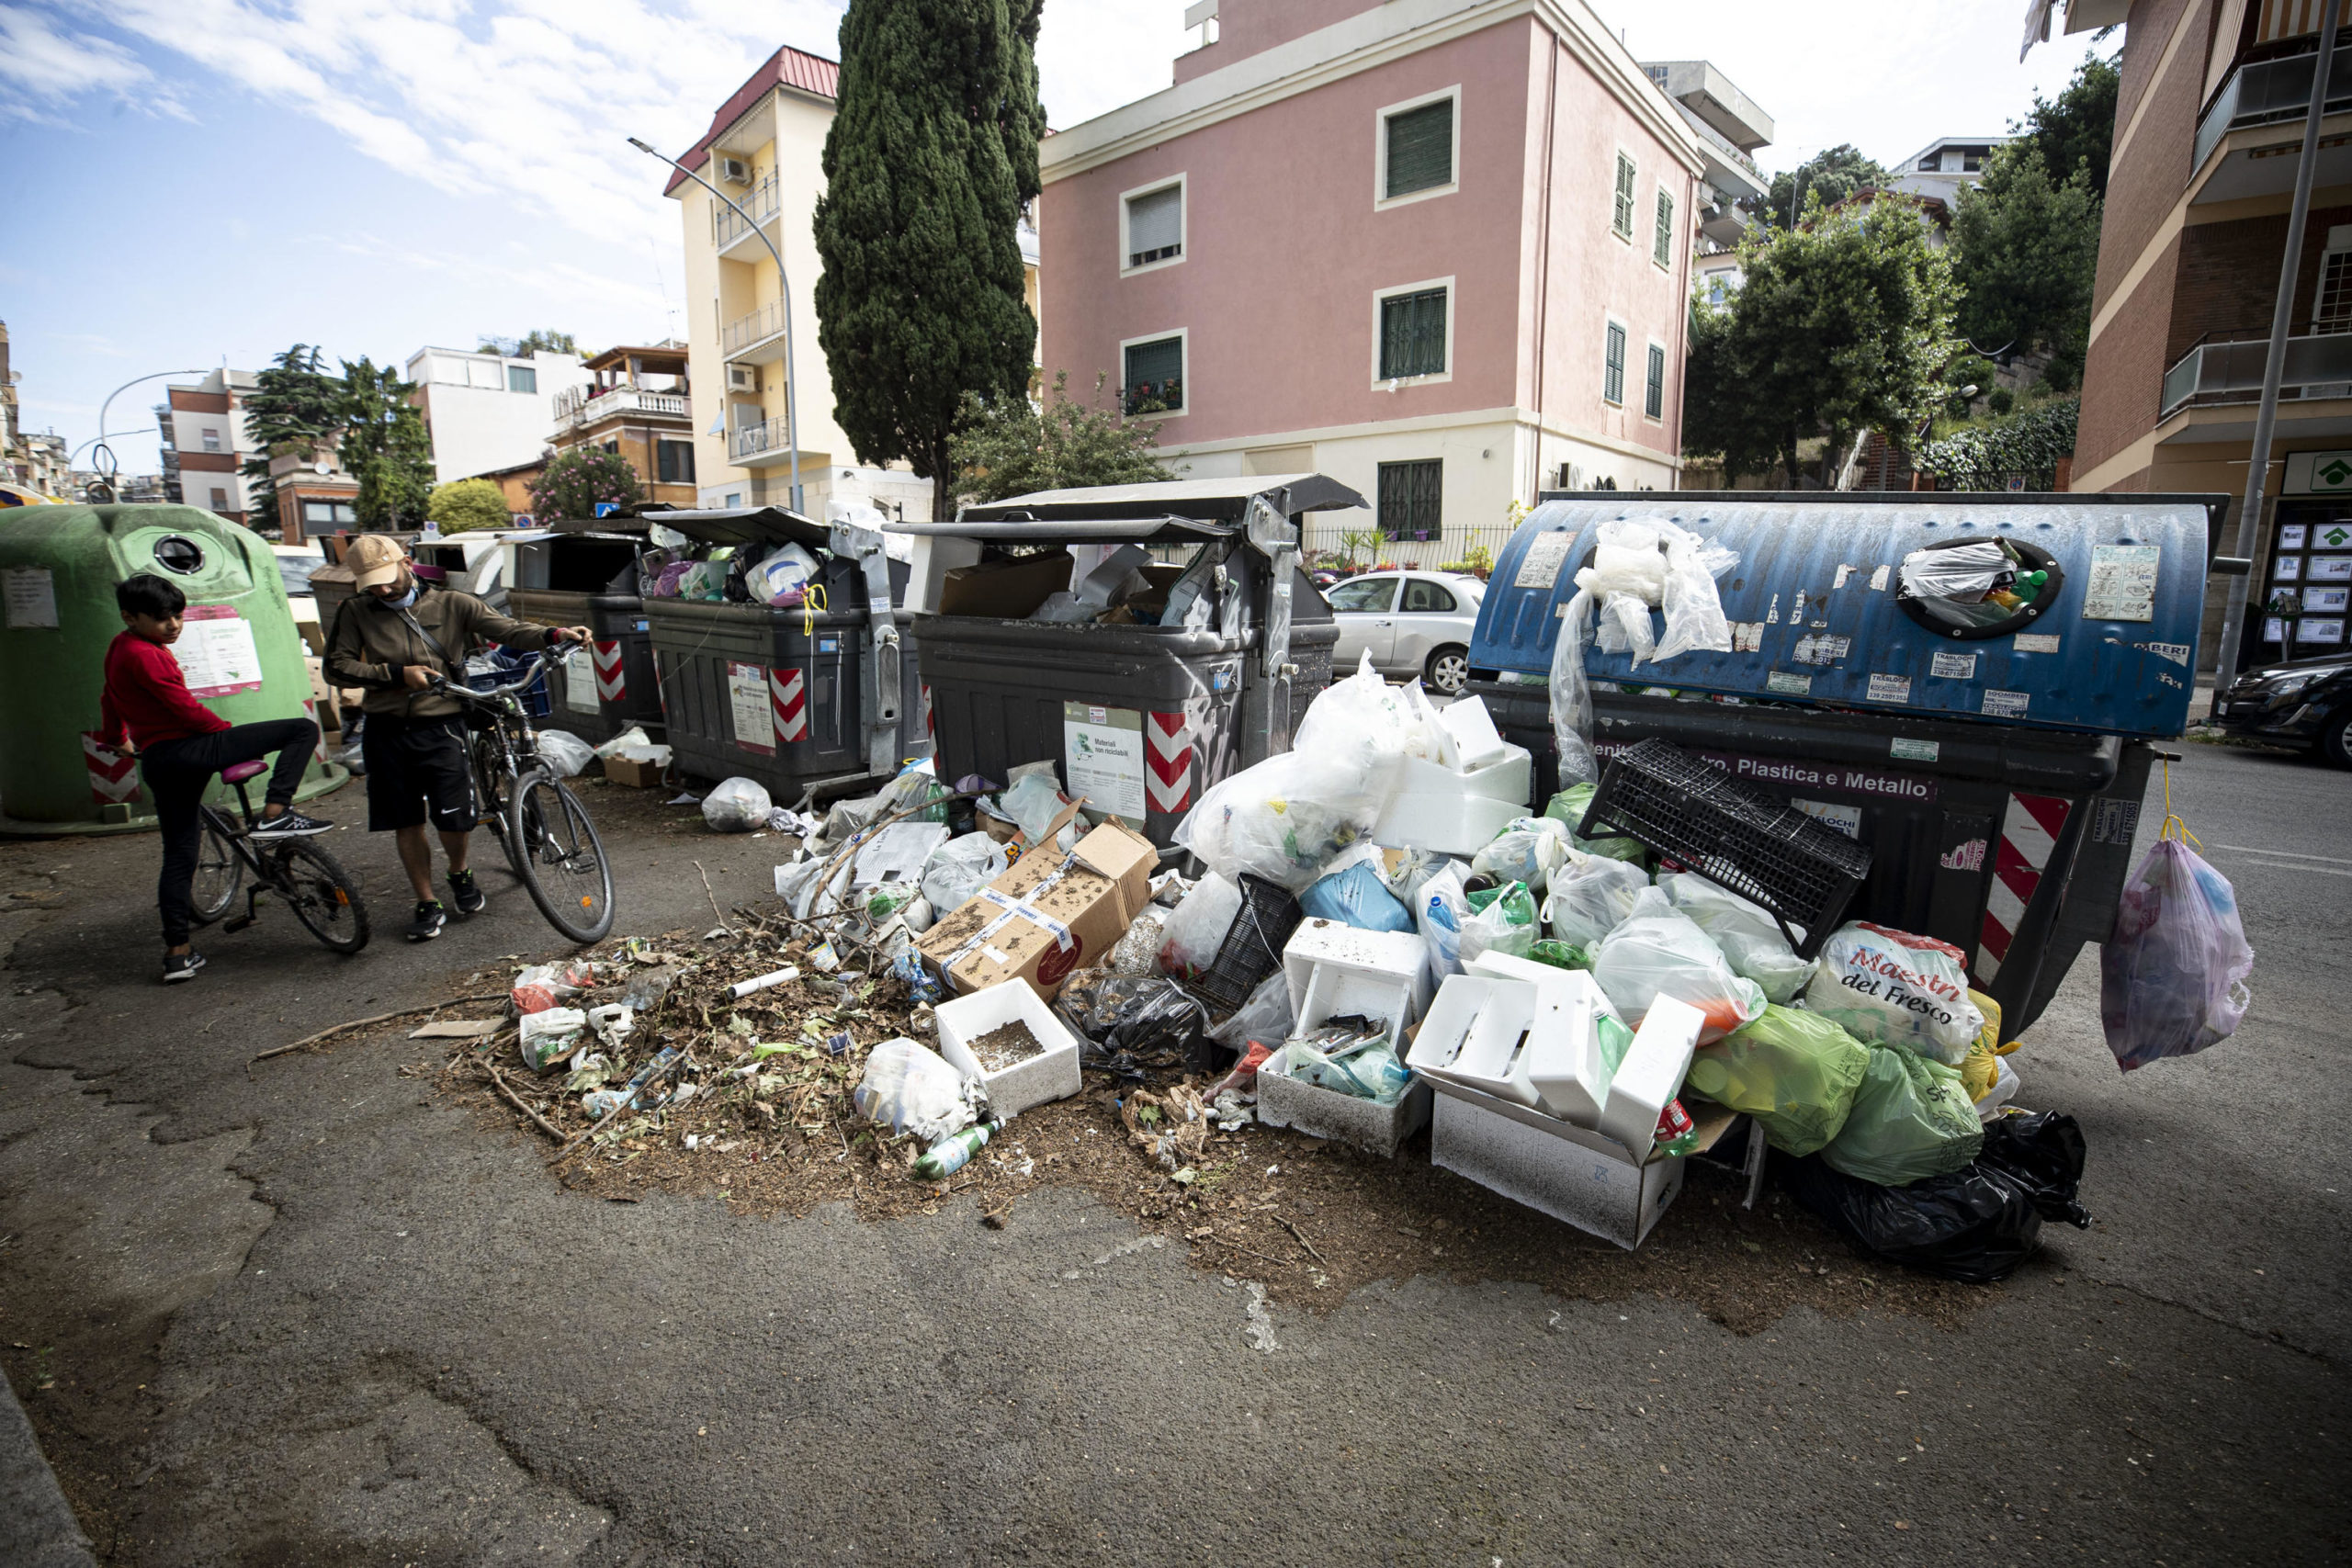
{"points": [[2304, 702], [1412, 623], [1326, 578]]}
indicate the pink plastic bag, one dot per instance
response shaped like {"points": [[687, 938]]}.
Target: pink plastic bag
{"points": [[2172, 979]]}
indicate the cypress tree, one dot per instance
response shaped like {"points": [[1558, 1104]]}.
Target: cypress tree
{"points": [[932, 156]]}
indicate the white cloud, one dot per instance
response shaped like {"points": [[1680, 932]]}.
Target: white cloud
{"points": [[43, 69]]}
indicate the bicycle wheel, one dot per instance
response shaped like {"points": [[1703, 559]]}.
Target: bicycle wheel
{"points": [[322, 894], [561, 861], [219, 873]]}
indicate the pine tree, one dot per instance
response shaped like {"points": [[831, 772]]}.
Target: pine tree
{"points": [[295, 401], [385, 446], [932, 156]]}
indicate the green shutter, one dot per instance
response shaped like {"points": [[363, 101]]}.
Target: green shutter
{"points": [[1654, 395], [1412, 335], [1662, 250], [1612, 376], [1156, 373], [1410, 500], [1420, 147], [1622, 220]]}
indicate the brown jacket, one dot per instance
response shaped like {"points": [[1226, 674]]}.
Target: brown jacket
{"points": [[370, 643]]}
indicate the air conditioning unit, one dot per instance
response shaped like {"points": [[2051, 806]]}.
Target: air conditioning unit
{"points": [[734, 171], [742, 377]]}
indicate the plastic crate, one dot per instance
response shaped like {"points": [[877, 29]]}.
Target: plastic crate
{"points": [[1253, 944], [1802, 873], [534, 697]]}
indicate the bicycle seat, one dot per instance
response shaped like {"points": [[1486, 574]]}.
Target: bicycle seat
{"points": [[238, 773]]}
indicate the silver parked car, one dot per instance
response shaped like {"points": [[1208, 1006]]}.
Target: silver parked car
{"points": [[1412, 623]]}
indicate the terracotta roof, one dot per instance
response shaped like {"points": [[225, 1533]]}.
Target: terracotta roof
{"points": [[619, 358], [787, 67]]}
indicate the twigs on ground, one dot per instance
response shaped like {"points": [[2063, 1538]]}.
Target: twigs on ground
{"points": [[712, 897], [330, 1032], [1301, 1235], [499, 1079]]}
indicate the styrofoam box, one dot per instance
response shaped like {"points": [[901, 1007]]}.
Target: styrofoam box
{"points": [[1562, 1062], [1334, 969], [1579, 1178], [1509, 777], [1052, 1073], [1450, 822], [1652, 1073], [1473, 733], [1528, 1038], [1343, 1118], [927, 573]]}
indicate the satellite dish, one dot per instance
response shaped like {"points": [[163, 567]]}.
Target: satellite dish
{"points": [[318, 468]]}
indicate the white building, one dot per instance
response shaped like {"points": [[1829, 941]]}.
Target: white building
{"points": [[1946, 166], [487, 412]]}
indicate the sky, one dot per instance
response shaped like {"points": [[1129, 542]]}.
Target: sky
{"points": [[194, 182]]}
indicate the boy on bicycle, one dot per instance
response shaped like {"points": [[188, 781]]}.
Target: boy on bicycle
{"points": [[392, 640], [181, 744]]}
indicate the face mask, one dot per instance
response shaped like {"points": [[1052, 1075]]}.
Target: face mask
{"points": [[405, 600]]}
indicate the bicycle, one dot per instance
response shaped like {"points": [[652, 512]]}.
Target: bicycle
{"points": [[549, 841], [310, 881]]}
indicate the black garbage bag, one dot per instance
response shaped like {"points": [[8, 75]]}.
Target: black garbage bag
{"points": [[1129, 1023], [1974, 1224], [2042, 1152]]}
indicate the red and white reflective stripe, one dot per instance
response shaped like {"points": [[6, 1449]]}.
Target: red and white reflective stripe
{"points": [[318, 746], [2028, 833], [1168, 778], [788, 688], [930, 719], [612, 679], [113, 777]]}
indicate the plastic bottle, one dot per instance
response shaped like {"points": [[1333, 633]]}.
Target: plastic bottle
{"points": [[954, 1152]]}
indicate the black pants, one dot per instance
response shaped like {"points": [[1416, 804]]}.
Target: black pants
{"points": [[176, 773]]}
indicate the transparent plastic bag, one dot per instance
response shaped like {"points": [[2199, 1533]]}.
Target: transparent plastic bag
{"points": [[1265, 1018], [1796, 1071], [1034, 802], [1362, 728], [1891, 987], [1138, 950], [1693, 607], [1569, 806], [959, 868], [564, 754], [1751, 939], [908, 1089], [1911, 1119], [1503, 921], [1591, 896], [1660, 951], [1966, 572], [783, 573], [1357, 896], [2173, 978], [1189, 941], [1440, 909], [1571, 694], [1530, 850], [1285, 819], [738, 805]]}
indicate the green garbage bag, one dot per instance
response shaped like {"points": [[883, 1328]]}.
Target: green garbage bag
{"points": [[1794, 1071], [1559, 954], [1911, 1119], [1502, 920], [1570, 805]]}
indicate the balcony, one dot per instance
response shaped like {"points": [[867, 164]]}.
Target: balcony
{"points": [[1723, 223], [2275, 94], [2227, 374], [577, 406], [765, 444], [763, 202], [755, 339]]}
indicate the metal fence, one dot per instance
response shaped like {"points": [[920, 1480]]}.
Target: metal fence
{"points": [[1362, 547]]}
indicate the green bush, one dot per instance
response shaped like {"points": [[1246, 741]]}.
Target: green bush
{"points": [[462, 505]]}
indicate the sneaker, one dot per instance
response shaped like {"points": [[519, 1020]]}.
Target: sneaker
{"points": [[178, 967], [430, 918], [291, 825], [471, 899]]}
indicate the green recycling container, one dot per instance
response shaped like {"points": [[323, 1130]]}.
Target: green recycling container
{"points": [[59, 566]]}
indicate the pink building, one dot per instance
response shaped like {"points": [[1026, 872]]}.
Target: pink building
{"points": [[1437, 249]]}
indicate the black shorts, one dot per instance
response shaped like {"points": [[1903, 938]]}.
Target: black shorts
{"points": [[417, 770]]}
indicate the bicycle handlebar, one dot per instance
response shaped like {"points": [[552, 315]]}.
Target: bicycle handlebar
{"points": [[538, 666]]}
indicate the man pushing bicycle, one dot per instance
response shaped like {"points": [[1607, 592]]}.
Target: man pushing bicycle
{"points": [[396, 636]]}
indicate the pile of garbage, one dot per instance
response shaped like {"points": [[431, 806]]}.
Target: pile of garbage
{"points": [[782, 577]]}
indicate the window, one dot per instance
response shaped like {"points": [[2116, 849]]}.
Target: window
{"points": [[675, 462], [1409, 500], [1365, 596], [1662, 243], [1417, 149], [1613, 374], [1155, 223], [485, 374], [1412, 335], [329, 512], [613, 446], [449, 372], [211, 439], [1154, 374], [1931, 163], [2331, 310], [219, 499], [1654, 386], [1716, 293], [523, 378], [734, 498], [1622, 221], [1972, 160], [1424, 597]]}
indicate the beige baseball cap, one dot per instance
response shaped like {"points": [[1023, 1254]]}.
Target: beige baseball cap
{"points": [[374, 561]]}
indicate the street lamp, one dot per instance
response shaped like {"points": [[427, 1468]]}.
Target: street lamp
{"points": [[784, 286], [100, 438]]}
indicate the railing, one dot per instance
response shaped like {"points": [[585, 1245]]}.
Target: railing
{"points": [[2266, 91], [1360, 546], [763, 202], [758, 327], [2317, 365], [750, 443], [576, 405]]}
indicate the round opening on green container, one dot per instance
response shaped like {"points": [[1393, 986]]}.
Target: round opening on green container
{"points": [[179, 553]]}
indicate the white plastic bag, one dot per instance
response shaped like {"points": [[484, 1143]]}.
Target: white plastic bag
{"points": [[1284, 818], [1034, 802], [738, 805], [1891, 987], [1659, 950], [1591, 895], [564, 754], [1440, 909], [1365, 727], [2172, 979], [1571, 694], [1528, 850], [550, 1035], [908, 1089], [1693, 607], [633, 739], [959, 868], [1506, 925], [774, 579], [1750, 936], [1188, 942]]}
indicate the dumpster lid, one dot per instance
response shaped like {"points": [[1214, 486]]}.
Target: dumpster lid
{"points": [[742, 526], [1200, 500], [1161, 530]]}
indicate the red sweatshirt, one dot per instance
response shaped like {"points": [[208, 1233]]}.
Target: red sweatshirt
{"points": [[147, 694]]}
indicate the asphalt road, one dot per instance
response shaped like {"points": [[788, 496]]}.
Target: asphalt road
{"points": [[313, 1315]]}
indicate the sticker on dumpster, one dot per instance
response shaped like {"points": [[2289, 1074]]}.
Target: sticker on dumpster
{"points": [[1540, 567], [1844, 571], [1103, 758], [1772, 612], [2004, 704], [216, 652], [1910, 750], [1747, 636], [1812, 650], [30, 597], [1847, 820], [1890, 689], [1789, 685], [2035, 642], [1878, 579], [748, 705], [2114, 822], [1953, 666], [1968, 856], [1875, 782], [2123, 582], [579, 688]]}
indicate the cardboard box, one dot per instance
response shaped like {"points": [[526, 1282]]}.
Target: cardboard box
{"points": [[1049, 915], [633, 772], [1008, 590]]}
